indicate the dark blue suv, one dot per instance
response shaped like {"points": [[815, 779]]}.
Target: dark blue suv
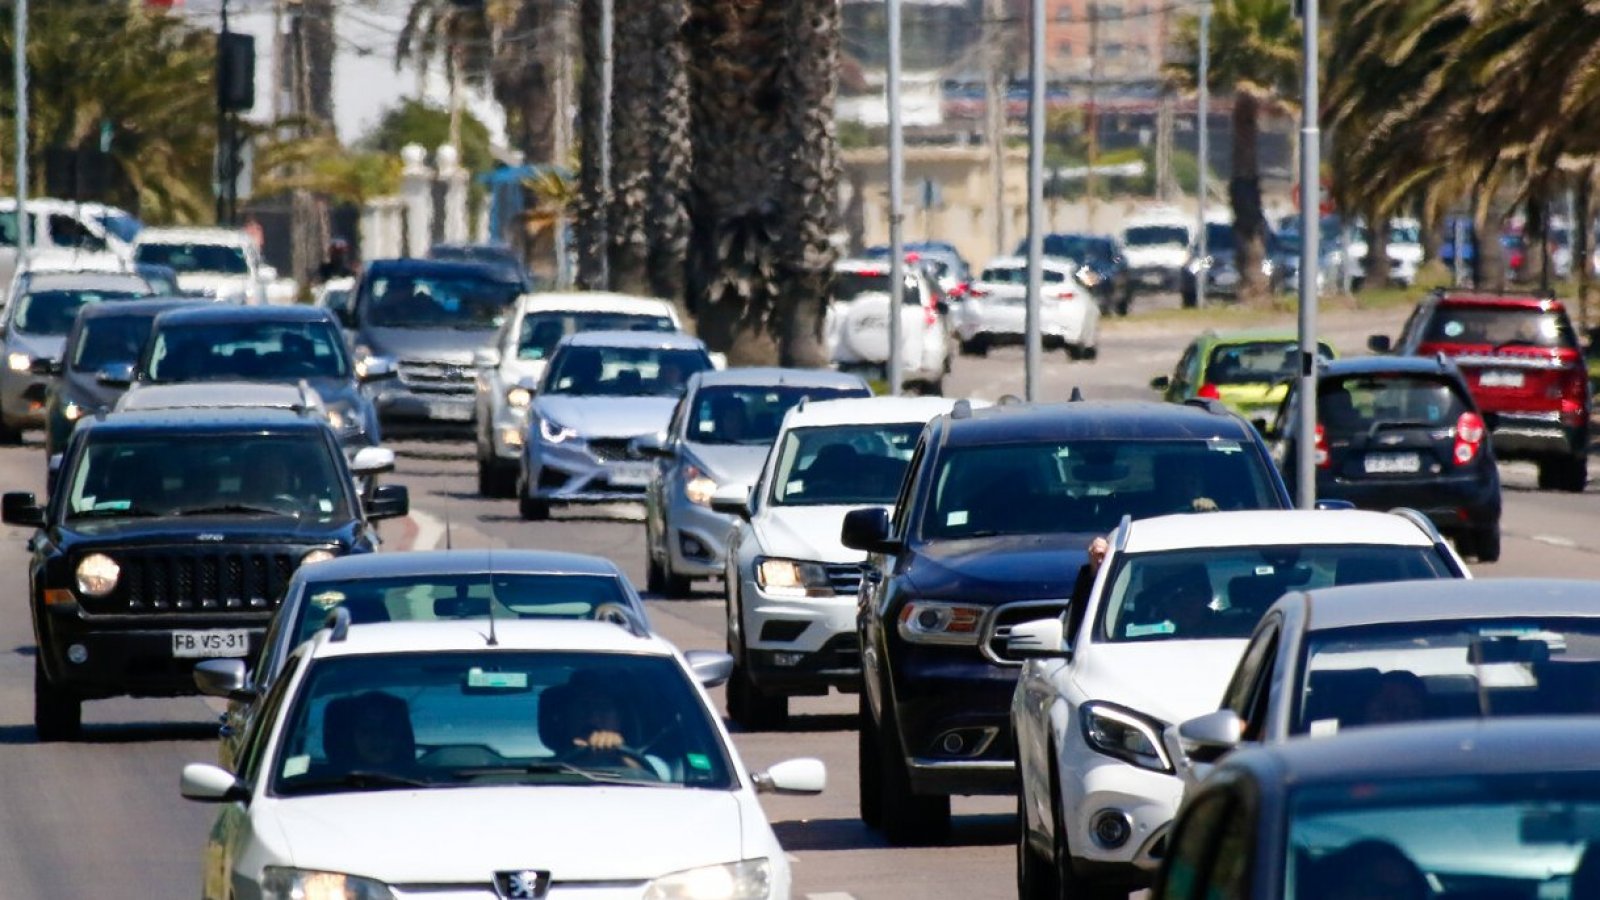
{"points": [[990, 529]]}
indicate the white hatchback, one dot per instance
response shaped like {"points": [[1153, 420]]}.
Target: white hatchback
{"points": [[995, 309], [857, 323], [478, 760]]}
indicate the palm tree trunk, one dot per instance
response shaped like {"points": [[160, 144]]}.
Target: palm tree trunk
{"points": [[631, 135], [1376, 271], [1535, 231], [1489, 258], [588, 223], [1244, 192], [671, 153], [1583, 245], [316, 18]]}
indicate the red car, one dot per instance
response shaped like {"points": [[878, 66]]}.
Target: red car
{"points": [[1526, 371]]}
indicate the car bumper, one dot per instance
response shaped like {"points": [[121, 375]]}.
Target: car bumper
{"points": [[508, 433], [940, 698], [398, 404], [1533, 435], [1100, 786], [1007, 323], [697, 538], [133, 660], [799, 646], [1453, 505], [1153, 278], [566, 472], [22, 396]]}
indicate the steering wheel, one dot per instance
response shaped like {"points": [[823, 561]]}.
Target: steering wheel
{"points": [[627, 753]]}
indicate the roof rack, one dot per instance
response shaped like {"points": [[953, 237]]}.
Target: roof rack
{"points": [[962, 409], [1122, 532], [1421, 521], [339, 621], [1076, 396]]}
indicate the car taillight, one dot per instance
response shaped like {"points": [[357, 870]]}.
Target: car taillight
{"points": [[1064, 294], [1208, 391], [1469, 437], [960, 290], [1322, 457], [975, 291], [930, 316]]}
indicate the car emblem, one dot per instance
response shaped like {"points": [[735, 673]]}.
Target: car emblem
{"points": [[526, 883], [209, 536], [1389, 440]]}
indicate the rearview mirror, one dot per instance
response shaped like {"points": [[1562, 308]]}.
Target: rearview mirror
{"points": [[21, 508], [868, 530], [388, 501], [206, 783], [115, 375], [372, 461], [226, 678], [1039, 639], [732, 500], [793, 776], [711, 667], [1206, 738], [1379, 343]]}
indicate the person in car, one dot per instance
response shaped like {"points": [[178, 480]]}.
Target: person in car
{"points": [[1401, 696], [369, 732], [1370, 869], [586, 722]]}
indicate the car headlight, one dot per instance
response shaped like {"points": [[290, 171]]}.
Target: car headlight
{"points": [[71, 411], [1127, 735], [97, 575], [19, 362], [932, 622], [793, 578], [315, 556], [554, 432], [697, 485], [343, 420], [519, 397], [749, 879], [1089, 277], [281, 883]]}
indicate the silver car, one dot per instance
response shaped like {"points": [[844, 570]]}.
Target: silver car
{"points": [[508, 370], [41, 311], [601, 390], [719, 435]]}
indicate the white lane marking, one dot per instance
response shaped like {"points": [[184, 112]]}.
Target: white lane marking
{"points": [[429, 530], [832, 895], [1554, 540]]}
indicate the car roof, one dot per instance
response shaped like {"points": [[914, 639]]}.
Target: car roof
{"points": [[483, 270], [511, 635], [1506, 301], [458, 562], [217, 395], [774, 376], [147, 306], [1248, 335], [1427, 601], [193, 235], [1123, 420], [91, 278], [1020, 262], [664, 340], [1375, 365], [1519, 744], [232, 419], [594, 301], [227, 312], [1278, 527], [870, 411]]}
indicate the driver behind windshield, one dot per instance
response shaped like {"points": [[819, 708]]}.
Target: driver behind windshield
{"points": [[588, 723]]}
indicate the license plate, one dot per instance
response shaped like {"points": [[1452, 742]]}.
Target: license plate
{"points": [[871, 323], [191, 644], [1225, 279], [631, 474], [1507, 378], [1153, 279], [450, 412], [1392, 463]]}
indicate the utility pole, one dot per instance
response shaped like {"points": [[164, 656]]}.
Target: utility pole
{"points": [[1036, 97], [1164, 147], [1091, 115], [996, 101], [897, 178], [1310, 197], [608, 30], [562, 127], [19, 56], [1202, 135]]}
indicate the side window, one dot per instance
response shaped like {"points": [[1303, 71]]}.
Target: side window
{"points": [[675, 424], [1182, 375], [255, 744], [899, 524], [1194, 837], [1247, 696], [1413, 322]]}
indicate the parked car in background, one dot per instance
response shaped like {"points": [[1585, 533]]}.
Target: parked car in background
{"points": [[1101, 267], [1220, 263], [1398, 431], [1522, 363], [1249, 371], [499, 257], [857, 323], [61, 235], [1156, 245], [221, 263], [335, 294], [718, 437], [33, 333], [1404, 249], [508, 370], [995, 309], [951, 269]]}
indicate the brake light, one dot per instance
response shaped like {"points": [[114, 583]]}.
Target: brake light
{"points": [[930, 316], [1063, 295], [975, 291], [1469, 437], [959, 291], [1322, 457], [1208, 391]]}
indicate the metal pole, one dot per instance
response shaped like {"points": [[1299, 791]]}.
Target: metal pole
{"points": [[603, 156], [20, 57], [1310, 189], [1032, 345], [897, 184], [1202, 123]]}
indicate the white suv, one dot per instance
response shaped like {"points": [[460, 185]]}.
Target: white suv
{"points": [[857, 323], [221, 263], [1155, 643]]}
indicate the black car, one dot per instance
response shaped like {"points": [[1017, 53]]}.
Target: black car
{"points": [[499, 257], [990, 529], [1221, 264], [169, 538], [1402, 431], [1101, 267]]}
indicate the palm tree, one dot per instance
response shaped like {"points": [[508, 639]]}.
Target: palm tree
{"points": [[1255, 52]]}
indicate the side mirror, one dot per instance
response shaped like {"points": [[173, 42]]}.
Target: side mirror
{"points": [[1160, 382], [376, 368], [711, 667], [115, 375], [388, 501], [372, 461], [268, 273], [48, 367], [1206, 738], [732, 500], [1039, 639], [206, 783], [1262, 426], [719, 361], [868, 530], [21, 508], [1335, 504], [792, 776], [486, 358], [1379, 343], [226, 678], [652, 446]]}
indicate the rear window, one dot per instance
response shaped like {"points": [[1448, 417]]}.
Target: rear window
{"points": [[848, 286], [1501, 326], [1256, 362], [1356, 403], [1018, 275], [1155, 235]]}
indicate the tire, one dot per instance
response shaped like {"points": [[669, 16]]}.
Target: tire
{"points": [[496, 479], [1486, 544], [1069, 886], [932, 388], [655, 580], [1574, 475], [869, 783], [57, 715], [1187, 297], [1036, 877], [533, 510], [1125, 304], [9, 436], [907, 819], [750, 706], [978, 346]]}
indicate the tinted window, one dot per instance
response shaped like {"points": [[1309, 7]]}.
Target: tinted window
{"points": [[1193, 848], [110, 339], [438, 301], [1257, 362], [496, 717], [1218, 237], [850, 285], [749, 415], [623, 371], [249, 351], [1222, 592], [843, 465], [52, 312], [1155, 235], [541, 331], [1087, 486], [1018, 275], [1500, 327], [185, 258], [1346, 405]]}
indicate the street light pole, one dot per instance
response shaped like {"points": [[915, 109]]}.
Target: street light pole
{"points": [[1310, 201], [1036, 96], [1202, 134], [897, 179], [20, 59], [603, 152]]}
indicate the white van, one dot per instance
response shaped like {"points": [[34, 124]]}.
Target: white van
{"points": [[1155, 242], [61, 235]]}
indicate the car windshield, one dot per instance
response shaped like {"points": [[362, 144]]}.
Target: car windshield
{"points": [[623, 371], [1219, 237], [848, 285], [1079, 247], [1354, 403], [1405, 234], [1222, 592], [497, 717], [424, 598], [1500, 327], [161, 279], [951, 261], [1088, 485], [1156, 236], [1447, 669], [104, 340], [438, 301], [1256, 362], [1018, 275], [541, 331], [1447, 836], [186, 258], [120, 224], [840, 465], [178, 473], [246, 351], [50, 312], [750, 414]]}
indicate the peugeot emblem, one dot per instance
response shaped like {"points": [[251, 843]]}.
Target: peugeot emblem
{"points": [[525, 883]]}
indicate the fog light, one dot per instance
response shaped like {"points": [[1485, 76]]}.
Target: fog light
{"points": [[952, 743], [787, 660], [511, 437], [1111, 828], [691, 547], [77, 654]]}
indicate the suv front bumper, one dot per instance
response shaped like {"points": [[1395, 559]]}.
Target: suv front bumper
{"points": [[131, 659], [1092, 785], [22, 396], [941, 698]]}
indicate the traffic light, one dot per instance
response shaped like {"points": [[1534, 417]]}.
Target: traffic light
{"points": [[236, 71]]}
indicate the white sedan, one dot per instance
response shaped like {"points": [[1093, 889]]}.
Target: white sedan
{"points": [[994, 311], [1161, 632], [493, 760]]}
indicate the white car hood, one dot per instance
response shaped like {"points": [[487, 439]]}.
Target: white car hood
{"points": [[465, 835], [1172, 256], [219, 286], [805, 532], [730, 463], [1171, 680]]}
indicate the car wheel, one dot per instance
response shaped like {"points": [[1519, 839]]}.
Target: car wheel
{"points": [[1574, 474], [1069, 886], [934, 387], [496, 479], [1125, 304], [655, 579], [1486, 544], [1035, 874], [869, 781], [750, 706], [533, 509], [907, 819], [9, 435], [1187, 297], [57, 715], [978, 346]]}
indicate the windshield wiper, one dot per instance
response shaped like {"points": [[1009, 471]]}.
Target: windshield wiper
{"points": [[131, 512], [360, 780], [564, 768], [231, 508]]}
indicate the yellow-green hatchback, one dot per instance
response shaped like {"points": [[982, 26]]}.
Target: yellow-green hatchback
{"points": [[1248, 371]]}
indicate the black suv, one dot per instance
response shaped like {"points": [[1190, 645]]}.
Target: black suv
{"points": [[1402, 431], [168, 538], [990, 529]]}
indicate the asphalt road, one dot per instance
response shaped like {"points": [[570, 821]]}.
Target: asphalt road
{"points": [[103, 817]]}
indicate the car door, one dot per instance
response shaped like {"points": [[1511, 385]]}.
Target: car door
{"points": [[655, 503], [877, 580], [1213, 845], [1182, 384]]}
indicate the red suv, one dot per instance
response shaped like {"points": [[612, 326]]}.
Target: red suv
{"points": [[1525, 369]]}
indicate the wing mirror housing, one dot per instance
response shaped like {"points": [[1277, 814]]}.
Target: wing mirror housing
{"points": [[1379, 343], [372, 461], [486, 358], [719, 361], [376, 368], [226, 678], [1160, 382], [205, 783], [732, 500], [21, 508], [115, 375], [793, 776], [653, 446], [388, 501], [868, 530], [711, 667], [1206, 738], [1039, 639], [49, 367]]}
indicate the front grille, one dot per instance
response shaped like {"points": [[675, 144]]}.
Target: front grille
{"points": [[845, 578], [1000, 622], [611, 449], [197, 579], [429, 377]]}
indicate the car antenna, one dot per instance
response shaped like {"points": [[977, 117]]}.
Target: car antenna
{"points": [[489, 564], [447, 540], [1077, 395]]}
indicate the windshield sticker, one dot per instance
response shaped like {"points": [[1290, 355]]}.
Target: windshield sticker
{"points": [[478, 678], [1264, 570], [1137, 631], [1453, 329], [795, 487], [325, 505], [113, 504], [959, 517], [705, 425], [698, 761], [327, 599], [1217, 446], [296, 765], [1324, 727]]}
